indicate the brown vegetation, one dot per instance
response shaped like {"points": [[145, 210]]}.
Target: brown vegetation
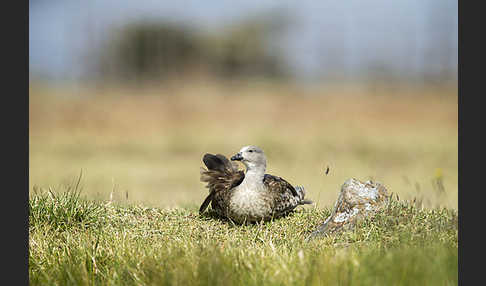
{"points": [[147, 145]]}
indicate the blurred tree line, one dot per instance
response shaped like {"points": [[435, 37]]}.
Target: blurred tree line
{"points": [[157, 50]]}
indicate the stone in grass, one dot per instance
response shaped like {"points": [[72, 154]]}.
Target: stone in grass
{"points": [[356, 200]]}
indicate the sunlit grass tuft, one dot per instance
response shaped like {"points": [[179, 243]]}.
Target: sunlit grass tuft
{"points": [[63, 210]]}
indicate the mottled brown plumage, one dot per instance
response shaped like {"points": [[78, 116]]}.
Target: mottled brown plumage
{"points": [[249, 197], [221, 176]]}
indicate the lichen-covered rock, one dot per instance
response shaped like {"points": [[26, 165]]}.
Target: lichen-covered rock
{"points": [[356, 200]]}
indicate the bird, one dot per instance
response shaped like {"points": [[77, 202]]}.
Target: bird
{"points": [[251, 196]]}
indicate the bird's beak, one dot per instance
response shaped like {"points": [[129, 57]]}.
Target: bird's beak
{"points": [[237, 157]]}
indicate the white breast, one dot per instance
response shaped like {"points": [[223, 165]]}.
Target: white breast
{"points": [[248, 201]]}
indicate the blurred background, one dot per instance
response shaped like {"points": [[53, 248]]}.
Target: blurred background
{"points": [[134, 93]]}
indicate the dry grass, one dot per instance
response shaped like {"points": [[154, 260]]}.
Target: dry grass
{"points": [[148, 144]]}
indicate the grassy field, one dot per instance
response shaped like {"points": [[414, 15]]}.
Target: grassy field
{"points": [[77, 242], [147, 145], [136, 223]]}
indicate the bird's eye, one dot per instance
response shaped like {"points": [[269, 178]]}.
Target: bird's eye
{"points": [[250, 151]]}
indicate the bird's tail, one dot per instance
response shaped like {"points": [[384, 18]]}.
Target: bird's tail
{"points": [[221, 174], [301, 193]]}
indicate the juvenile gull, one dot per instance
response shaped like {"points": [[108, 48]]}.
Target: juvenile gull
{"points": [[247, 197]]}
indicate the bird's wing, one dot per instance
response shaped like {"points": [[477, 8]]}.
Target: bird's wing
{"points": [[278, 185], [221, 176], [283, 195]]}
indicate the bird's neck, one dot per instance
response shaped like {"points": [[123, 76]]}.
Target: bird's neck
{"points": [[254, 175]]}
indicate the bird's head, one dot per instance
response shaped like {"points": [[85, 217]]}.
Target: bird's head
{"points": [[251, 156]]}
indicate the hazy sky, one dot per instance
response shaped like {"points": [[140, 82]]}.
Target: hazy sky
{"points": [[408, 36]]}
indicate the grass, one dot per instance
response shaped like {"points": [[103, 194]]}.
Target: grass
{"points": [[103, 243], [135, 222]]}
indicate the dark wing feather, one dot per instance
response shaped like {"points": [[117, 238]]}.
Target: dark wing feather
{"points": [[278, 184], [206, 202], [284, 196], [215, 162], [221, 176]]}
